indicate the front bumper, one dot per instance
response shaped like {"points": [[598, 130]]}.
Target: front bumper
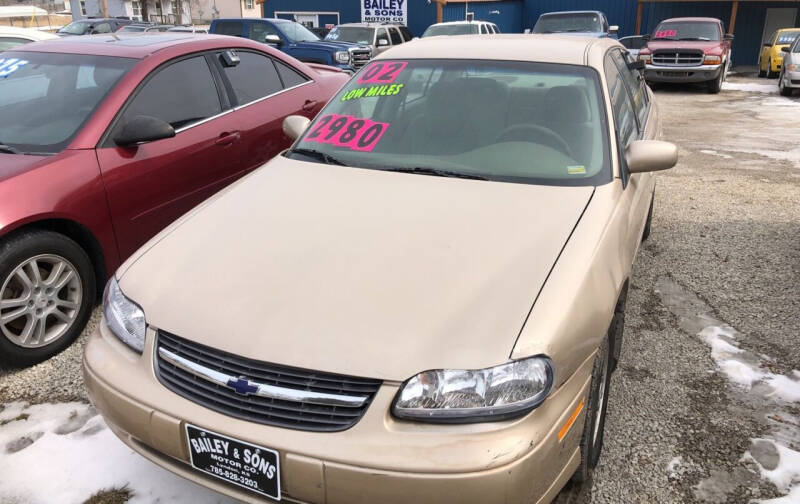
{"points": [[380, 459], [791, 79], [700, 73]]}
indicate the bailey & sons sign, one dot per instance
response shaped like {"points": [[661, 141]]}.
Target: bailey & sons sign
{"points": [[379, 11]]}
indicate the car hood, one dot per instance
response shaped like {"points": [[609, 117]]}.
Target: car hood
{"points": [[581, 34], [14, 164], [330, 45], [355, 271], [655, 45]]}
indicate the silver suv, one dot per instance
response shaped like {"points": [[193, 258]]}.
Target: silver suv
{"points": [[379, 36]]}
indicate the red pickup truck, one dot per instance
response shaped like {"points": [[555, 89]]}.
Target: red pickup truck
{"points": [[691, 49]]}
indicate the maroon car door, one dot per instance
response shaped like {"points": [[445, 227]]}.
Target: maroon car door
{"points": [[152, 184], [265, 91]]}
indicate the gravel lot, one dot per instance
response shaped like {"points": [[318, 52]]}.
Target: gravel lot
{"points": [[724, 249]]}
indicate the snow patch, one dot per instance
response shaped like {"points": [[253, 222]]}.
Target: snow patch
{"points": [[85, 458], [725, 354], [786, 476], [715, 153], [786, 388], [750, 87]]}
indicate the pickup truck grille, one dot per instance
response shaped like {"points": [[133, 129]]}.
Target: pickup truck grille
{"points": [[676, 57], [360, 57]]}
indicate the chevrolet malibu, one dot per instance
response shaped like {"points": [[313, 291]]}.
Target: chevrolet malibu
{"points": [[105, 140], [421, 301]]}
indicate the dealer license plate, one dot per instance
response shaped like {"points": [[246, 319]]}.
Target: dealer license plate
{"points": [[246, 465]]}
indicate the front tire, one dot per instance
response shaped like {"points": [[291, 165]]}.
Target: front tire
{"points": [[715, 86], [596, 406], [785, 91], [770, 73], [47, 290]]}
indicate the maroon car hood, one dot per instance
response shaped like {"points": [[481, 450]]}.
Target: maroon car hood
{"points": [[14, 164], [655, 45]]}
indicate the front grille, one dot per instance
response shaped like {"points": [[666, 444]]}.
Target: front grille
{"points": [[677, 58], [795, 82], [283, 413], [360, 57]]}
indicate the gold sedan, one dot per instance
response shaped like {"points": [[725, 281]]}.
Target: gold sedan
{"points": [[421, 301]]}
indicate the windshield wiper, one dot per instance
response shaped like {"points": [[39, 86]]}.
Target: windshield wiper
{"points": [[325, 158], [704, 39], [435, 172], [7, 149]]}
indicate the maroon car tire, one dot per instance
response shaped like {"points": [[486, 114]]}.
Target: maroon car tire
{"points": [[66, 283]]}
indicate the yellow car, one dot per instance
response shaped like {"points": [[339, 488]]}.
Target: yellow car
{"points": [[770, 59]]}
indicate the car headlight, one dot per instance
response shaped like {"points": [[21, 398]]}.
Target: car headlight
{"points": [[480, 395], [712, 59], [793, 68], [124, 317], [342, 57]]}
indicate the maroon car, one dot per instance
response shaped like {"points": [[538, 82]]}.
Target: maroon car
{"points": [[105, 140], [692, 49]]}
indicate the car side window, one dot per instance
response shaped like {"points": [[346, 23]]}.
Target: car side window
{"points": [[396, 38], [621, 104], [289, 75], [484, 31], [382, 35], [633, 80], [181, 94], [406, 33], [233, 28], [254, 77], [496, 29], [259, 31], [9, 42], [102, 28]]}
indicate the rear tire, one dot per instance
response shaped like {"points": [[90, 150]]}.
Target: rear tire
{"points": [[596, 406], [47, 290]]}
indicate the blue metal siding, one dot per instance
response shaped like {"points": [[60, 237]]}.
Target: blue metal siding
{"points": [[618, 12], [507, 15]]}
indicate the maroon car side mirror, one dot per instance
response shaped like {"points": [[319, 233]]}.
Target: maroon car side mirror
{"points": [[141, 129]]}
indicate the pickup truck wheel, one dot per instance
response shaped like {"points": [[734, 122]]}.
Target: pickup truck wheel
{"points": [[592, 441], [715, 86], [47, 289]]}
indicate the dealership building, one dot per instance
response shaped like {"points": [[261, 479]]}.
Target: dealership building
{"points": [[751, 21]]}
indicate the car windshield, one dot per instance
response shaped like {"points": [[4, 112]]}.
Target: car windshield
{"points": [[451, 29], [687, 30], [75, 28], [787, 37], [296, 32], [536, 123], [351, 34], [130, 28], [587, 22], [46, 97]]}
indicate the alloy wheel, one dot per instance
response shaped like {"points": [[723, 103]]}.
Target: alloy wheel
{"points": [[39, 301]]}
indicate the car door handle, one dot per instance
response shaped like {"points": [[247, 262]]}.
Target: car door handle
{"points": [[228, 138], [309, 105]]}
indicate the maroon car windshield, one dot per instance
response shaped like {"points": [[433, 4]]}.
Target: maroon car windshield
{"points": [[45, 98], [687, 30]]}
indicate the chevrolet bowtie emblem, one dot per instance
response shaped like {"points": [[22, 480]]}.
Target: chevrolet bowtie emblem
{"points": [[242, 386]]}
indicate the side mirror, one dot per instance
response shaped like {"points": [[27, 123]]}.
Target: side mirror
{"points": [[636, 65], [785, 50], [613, 29], [767, 44], [142, 129], [295, 125], [646, 37], [729, 36], [650, 155], [272, 39], [383, 42]]}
